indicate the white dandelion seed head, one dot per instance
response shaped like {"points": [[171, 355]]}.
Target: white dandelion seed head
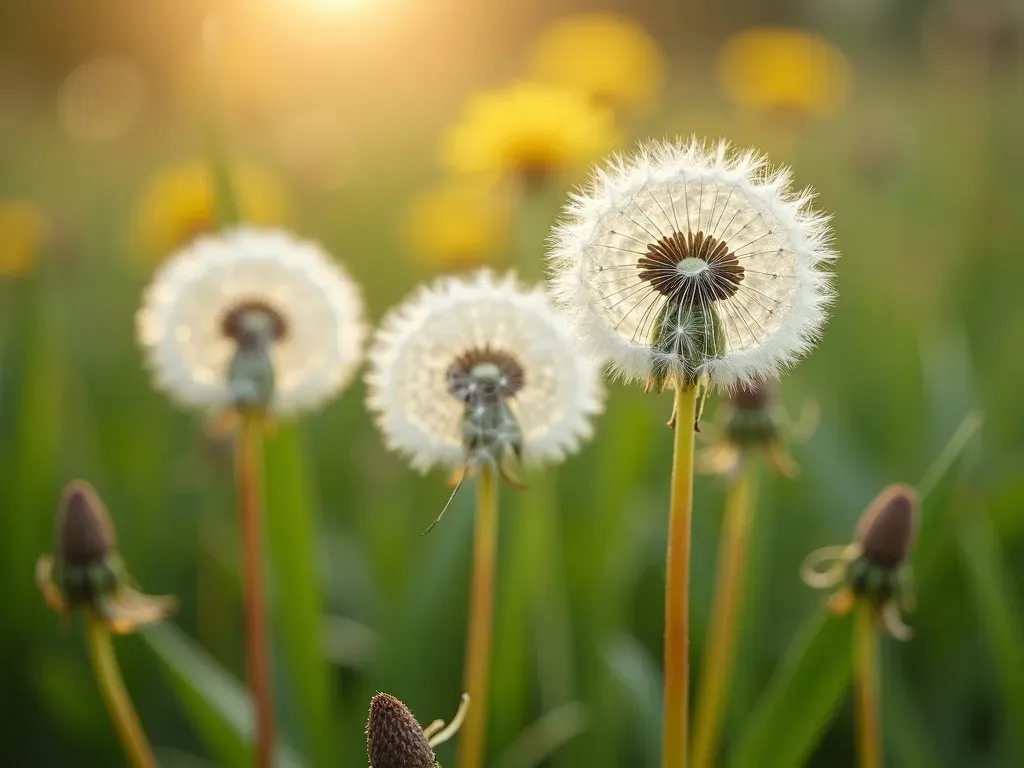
{"points": [[701, 226], [420, 406], [181, 322]]}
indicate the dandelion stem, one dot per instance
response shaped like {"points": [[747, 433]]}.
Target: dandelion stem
{"points": [[726, 605], [677, 585], [257, 649], [866, 665], [115, 695], [481, 612]]}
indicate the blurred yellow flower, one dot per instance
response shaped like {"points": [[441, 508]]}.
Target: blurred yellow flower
{"points": [[22, 233], [784, 69], [178, 204], [611, 58], [528, 130], [459, 225]]}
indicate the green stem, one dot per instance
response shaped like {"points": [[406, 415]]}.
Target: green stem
{"points": [[726, 606], [867, 676], [473, 737], [677, 585], [115, 695], [229, 212], [257, 645]]}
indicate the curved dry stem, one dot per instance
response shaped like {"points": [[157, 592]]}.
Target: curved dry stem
{"points": [[840, 557], [434, 733]]}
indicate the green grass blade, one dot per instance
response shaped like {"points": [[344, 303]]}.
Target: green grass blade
{"points": [[215, 703], [292, 536], [635, 670], [1000, 613], [906, 731], [802, 697]]}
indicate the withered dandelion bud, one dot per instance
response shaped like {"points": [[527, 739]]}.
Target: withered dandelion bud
{"points": [[887, 531], [87, 572], [393, 737], [874, 568], [85, 535], [755, 395]]}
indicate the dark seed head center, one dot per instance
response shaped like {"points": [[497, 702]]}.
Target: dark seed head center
{"points": [[252, 319], [485, 372], [693, 264]]}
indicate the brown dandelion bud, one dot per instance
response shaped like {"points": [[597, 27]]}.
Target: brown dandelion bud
{"points": [[393, 737], [85, 535], [755, 395], [888, 528]]}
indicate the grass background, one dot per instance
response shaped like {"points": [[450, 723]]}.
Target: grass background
{"points": [[922, 172]]}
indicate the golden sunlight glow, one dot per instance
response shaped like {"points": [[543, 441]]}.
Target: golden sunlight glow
{"points": [[339, 6]]}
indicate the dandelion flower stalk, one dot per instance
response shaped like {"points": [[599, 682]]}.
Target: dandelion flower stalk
{"points": [[257, 644], [252, 324], [869, 742], [477, 674], [480, 375], [726, 607], [693, 266], [677, 584], [115, 695]]}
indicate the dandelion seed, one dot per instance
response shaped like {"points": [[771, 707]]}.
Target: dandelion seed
{"points": [[471, 371], [696, 262], [252, 319]]}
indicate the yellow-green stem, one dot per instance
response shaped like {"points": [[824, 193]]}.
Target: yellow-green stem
{"points": [[115, 695], [869, 742], [257, 644], [677, 585], [473, 736], [726, 606]]}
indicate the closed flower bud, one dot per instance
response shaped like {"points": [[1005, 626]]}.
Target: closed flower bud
{"points": [[752, 421], [887, 531], [874, 568], [393, 737], [85, 535], [87, 572]]}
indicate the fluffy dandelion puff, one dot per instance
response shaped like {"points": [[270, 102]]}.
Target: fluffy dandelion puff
{"points": [[200, 302], [430, 353], [693, 260]]}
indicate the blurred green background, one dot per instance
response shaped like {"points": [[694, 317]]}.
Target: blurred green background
{"points": [[343, 104]]}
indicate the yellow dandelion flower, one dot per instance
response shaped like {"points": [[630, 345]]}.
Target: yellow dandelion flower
{"points": [[528, 130], [786, 70], [178, 204], [22, 233], [609, 57], [458, 224]]}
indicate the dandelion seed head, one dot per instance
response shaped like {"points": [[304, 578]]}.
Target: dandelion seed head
{"points": [[472, 343], [693, 258], [211, 296]]}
